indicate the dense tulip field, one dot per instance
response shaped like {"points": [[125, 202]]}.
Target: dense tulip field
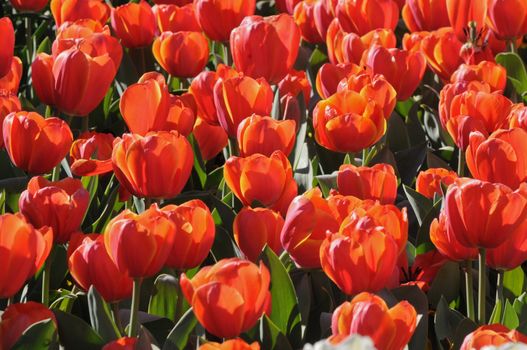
{"points": [[263, 174]]}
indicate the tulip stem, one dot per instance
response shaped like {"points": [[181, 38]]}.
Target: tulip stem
{"points": [[10, 300], [469, 286], [46, 273], [481, 286], [179, 303], [233, 147], [133, 327], [512, 46], [461, 163], [500, 297], [226, 55], [55, 176], [116, 318]]}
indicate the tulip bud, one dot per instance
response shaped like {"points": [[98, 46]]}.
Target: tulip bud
{"points": [[134, 24]]}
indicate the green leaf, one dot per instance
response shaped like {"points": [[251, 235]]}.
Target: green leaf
{"points": [[514, 281], [510, 318], [100, 317], [164, 297], [327, 182], [271, 336], [285, 312], [45, 46], [317, 57], [180, 334], [420, 204], [495, 317], [423, 242], [446, 283], [39, 336], [74, 333], [446, 320], [199, 165], [515, 70]]}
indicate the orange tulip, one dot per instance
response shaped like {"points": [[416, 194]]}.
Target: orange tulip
{"points": [[91, 154], [488, 335], [72, 10], [60, 205], [362, 260], [419, 15], [265, 47], [342, 206], [148, 106], [172, 2], [29, 5], [462, 12], [90, 265], [308, 219], [194, 236], [181, 54], [330, 75], [231, 12], [211, 138], [511, 253], [446, 243], [295, 83], [368, 315], [233, 344], [11, 81], [264, 135], [35, 144], [485, 71], [239, 97], [348, 121], [17, 318], [268, 180], [124, 343], [403, 70], [7, 45], [313, 18], [502, 210], [429, 182], [361, 16], [172, 18], [442, 50], [140, 244], [254, 228], [137, 162], [229, 297], [354, 47], [377, 182], [518, 116], [8, 103], [134, 24], [507, 19], [412, 41]]}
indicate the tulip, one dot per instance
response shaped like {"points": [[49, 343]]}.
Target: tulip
{"points": [[233, 344], [29, 5], [60, 205], [181, 54], [151, 234], [172, 2], [313, 18], [211, 139], [9, 103], [90, 265], [255, 228], [342, 206], [485, 71], [11, 81], [35, 144], [502, 210], [462, 12], [229, 297], [368, 315], [354, 47], [412, 41], [308, 219], [442, 49], [239, 97], [446, 243], [137, 161], [424, 269], [329, 76], [488, 335], [91, 154], [430, 182], [507, 19], [17, 318], [420, 15], [348, 122], [231, 12], [148, 106], [264, 135], [265, 47], [268, 180], [361, 16], [194, 236], [72, 10], [124, 343], [286, 6], [7, 45], [377, 182], [511, 253], [295, 83], [518, 116], [172, 18], [134, 24]]}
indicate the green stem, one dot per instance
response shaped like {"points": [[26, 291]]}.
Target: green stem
{"points": [[233, 147], [227, 59], [179, 303], [481, 286], [46, 274], [10, 300], [29, 37], [116, 318], [133, 327], [461, 163], [500, 297], [469, 290], [512, 46], [364, 157], [55, 176]]}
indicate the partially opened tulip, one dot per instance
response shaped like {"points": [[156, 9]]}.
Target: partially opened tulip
{"points": [[8, 103], [72, 10], [231, 12], [507, 19], [486, 71], [364, 15], [265, 47], [29, 5], [330, 75], [91, 154], [60, 205], [229, 297], [23, 251], [518, 116], [264, 135], [377, 182], [368, 315], [35, 144], [194, 236], [354, 47], [446, 242], [511, 253], [7, 45], [181, 54], [495, 334], [412, 41], [313, 18], [134, 24], [430, 182], [295, 83], [462, 12], [137, 161], [90, 265], [233, 344], [257, 178], [173, 18], [11, 81], [255, 228], [442, 48], [425, 15], [211, 139]]}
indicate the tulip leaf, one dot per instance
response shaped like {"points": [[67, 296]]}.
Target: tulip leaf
{"points": [[74, 333], [510, 318], [464, 327], [285, 312], [45, 46], [327, 182], [271, 336], [420, 204], [446, 320], [164, 297], [199, 165], [275, 111], [423, 242], [179, 336], [409, 161], [100, 317], [516, 71], [446, 283], [495, 317], [514, 282], [39, 336]]}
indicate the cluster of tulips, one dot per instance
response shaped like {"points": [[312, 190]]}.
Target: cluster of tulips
{"points": [[243, 174]]}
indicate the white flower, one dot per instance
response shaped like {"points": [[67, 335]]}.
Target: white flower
{"points": [[354, 342]]}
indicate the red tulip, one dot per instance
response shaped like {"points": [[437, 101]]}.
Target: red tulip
{"points": [[172, 18], [419, 15], [72, 10], [8, 103], [485, 71], [233, 344], [11, 81], [330, 75], [29, 5], [211, 138], [442, 50], [264, 135], [430, 181], [361, 16], [462, 12], [91, 154], [124, 343], [507, 19], [447, 243], [377, 182], [134, 24], [518, 116], [511, 253], [313, 18], [488, 335], [295, 83], [7, 45]]}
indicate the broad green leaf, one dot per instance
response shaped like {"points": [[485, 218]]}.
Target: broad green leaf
{"points": [[180, 334], [317, 57], [514, 281], [40, 336], [446, 283], [74, 333], [423, 242], [100, 317], [271, 336], [164, 297], [446, 320], [420, 204], [510, 318], [495, 316], [516, 71]]}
